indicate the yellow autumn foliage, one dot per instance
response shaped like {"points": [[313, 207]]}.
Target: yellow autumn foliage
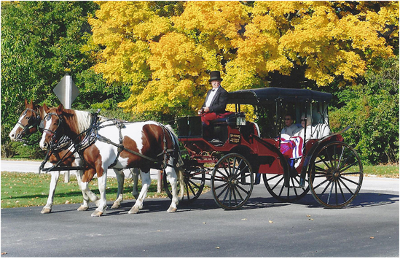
{"points": [[165, 50]]}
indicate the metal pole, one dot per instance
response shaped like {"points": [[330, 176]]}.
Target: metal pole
{"points": [[159, 186], [67, 101]]}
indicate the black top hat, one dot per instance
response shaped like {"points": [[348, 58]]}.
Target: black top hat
{"points": [[215, 76]]}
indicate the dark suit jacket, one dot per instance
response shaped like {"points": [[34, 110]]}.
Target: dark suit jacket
{"points": [[218, 104]]}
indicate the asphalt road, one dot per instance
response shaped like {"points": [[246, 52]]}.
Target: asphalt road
{"points": [[264, 227]]}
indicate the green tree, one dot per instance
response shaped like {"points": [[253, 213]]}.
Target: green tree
{"points": [[372, 110], [41, 42]]}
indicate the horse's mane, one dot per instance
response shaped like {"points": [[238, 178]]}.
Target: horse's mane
{"points": [[83, 119]]}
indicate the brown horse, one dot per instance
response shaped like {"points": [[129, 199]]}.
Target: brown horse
{"points": [[142, 145], [27, 124]]}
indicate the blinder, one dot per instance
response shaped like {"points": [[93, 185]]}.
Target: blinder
{"points": [[33, 121], [51, 132]]}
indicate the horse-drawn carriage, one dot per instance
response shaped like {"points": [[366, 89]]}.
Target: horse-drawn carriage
{"points": [[242, 150], [238, 153]]}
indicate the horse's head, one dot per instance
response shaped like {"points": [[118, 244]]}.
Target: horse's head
{"points": [[52, 126], [27, 123]]}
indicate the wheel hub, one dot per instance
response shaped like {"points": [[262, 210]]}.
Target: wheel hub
{"points": [[333, 175]]}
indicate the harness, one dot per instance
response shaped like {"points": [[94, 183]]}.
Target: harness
{"points": [[92, 135], [120, 147]]}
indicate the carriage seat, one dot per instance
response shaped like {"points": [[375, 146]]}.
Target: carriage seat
{"points": [[225, 118], [320, 131], [219, 127]]}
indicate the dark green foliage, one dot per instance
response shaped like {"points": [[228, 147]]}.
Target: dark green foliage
{"points": [[41, 42], [372, 109]]}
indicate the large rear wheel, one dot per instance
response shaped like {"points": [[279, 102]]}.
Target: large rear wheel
{"points": [[232, 181], [336, 175]]}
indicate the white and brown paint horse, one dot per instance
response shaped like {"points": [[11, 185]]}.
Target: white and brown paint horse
{"points": [[144, 145], [27, 125]]}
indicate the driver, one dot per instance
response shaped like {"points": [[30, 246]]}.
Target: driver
{"points": [[216, 99]]}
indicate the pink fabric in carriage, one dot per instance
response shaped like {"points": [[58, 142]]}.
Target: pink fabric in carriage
{"points": [[291, 147]]}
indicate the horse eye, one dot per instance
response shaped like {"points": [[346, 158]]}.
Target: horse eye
{"points": [[28, 117]]}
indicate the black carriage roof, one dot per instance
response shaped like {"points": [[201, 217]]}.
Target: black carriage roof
{"points": [[258, 96]]}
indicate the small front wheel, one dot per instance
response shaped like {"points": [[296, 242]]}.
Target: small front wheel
{"points": [[190, 185], [232, 181], [336, 175], [291, 193]]}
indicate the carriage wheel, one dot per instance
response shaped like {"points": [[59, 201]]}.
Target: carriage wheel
{"points": [[193, 180], [232, 181], [292, 193], [336, 175]]}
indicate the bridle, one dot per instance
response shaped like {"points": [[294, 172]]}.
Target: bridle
{"points": [[53, 134], [33, 121]]}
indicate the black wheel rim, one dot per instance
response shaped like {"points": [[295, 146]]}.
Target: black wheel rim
{"points": [[232, 181], [336, 175]]}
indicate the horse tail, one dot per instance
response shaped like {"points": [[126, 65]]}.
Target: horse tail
{"points": [[177, 152]]}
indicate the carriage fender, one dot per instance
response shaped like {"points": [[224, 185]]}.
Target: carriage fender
{"points": [[316, 146]]}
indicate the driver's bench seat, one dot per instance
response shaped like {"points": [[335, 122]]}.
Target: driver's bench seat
{"points": [[219, 127]]}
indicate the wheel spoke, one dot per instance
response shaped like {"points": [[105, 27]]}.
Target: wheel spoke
{"points": [[351, 181], [241, 188], [323, 192], [348, 166], [220, 178], [190, 186], [341, 190], [277, 183], [223, 190]]}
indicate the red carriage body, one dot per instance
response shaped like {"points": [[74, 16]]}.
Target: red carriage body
{"points": [[259, 143]]}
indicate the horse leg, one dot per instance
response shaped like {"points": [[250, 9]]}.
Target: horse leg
{"points": [[135, 178], [102, 182], [53, 184], [84, 184], [146, 181], [179, 172], [120, 178], [172, 179], [87, 194]]}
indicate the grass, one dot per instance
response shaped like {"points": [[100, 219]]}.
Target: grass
{"points": [[388, 171], [30, 189]]}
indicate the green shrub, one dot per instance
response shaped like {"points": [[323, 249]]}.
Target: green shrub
{"points": [[372, 110]]}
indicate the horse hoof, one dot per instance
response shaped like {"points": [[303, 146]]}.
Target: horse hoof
{"points": [[97, 213], [82, 208], [45, 210], [115, 206], [134, 210], [172, 209]]}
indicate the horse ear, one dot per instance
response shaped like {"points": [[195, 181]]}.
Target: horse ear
{"points": [[26, 103], [45, 108], [60, 109]]}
